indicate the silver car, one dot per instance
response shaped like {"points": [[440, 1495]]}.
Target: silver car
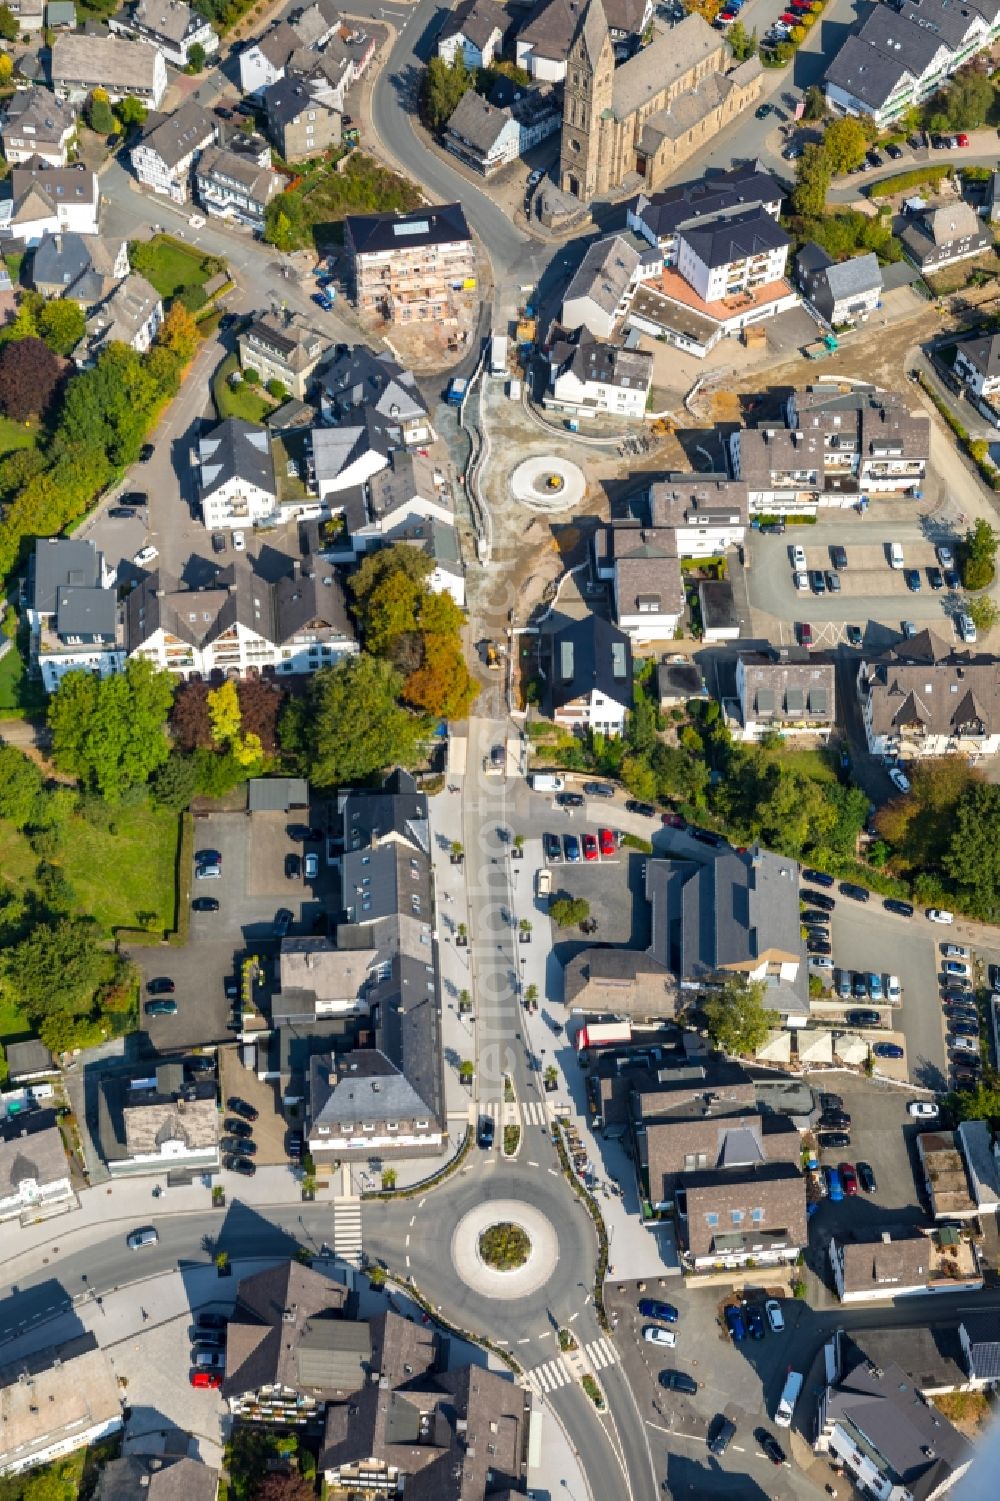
{"points": [[146, 1235]]}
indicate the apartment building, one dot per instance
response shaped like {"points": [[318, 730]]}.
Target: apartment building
{"points": [[299, 124], [789, 692], [923, 698], [872, 441], [356, 378], [72, 611], [735, 254], [36, 123], [241, 624], [283, 346], [903, 54], [169, 146], [409, 268], [81, 63], [55, 1401], [170, 25], [237, 475], [231, 185], [601, 288], [659, 218], [589, 377]]}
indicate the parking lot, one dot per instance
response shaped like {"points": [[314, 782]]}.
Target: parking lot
{"points": [[614, 886], [882, 1135], [252, 888]]}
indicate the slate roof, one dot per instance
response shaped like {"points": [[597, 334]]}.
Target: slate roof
{"points": [[407, 477], [478, 122], [916, 1444], [37, 191], [278, 1334], [146, 1477], [27, 1058], [109, 61], [682, 500], [951, 221], [239, 450], [436, 224], [124, 312], [670, 55], [121, 1104], [606, 270], [39, 112], [335, 449], [316, 21], [359, 377], [860, 273], [786, 689], [259, 183], [75, 265], [278, 44], [951, 695], [595, 360], [285, 100], [551, 27], [742, 187], [891, 1261], [285, 335], [57, 562], [31, 1148], [983, 354], [170, 19], [477, 20], [983, 1332], [590, 656], [174, 137], [736, 238]]}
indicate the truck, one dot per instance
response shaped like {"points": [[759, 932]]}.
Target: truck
{"points": [[457, 388], [822, 347], [546, 781], [603, 1035], [788, 1399], [543, 882], [498, 354]]}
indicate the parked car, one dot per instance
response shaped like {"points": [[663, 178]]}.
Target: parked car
{"points": [[240, 1165], [212, 1380], [855, 635], [160, 986], [598, 789], [775, 1317], [815, 944], [893, 153], [721, 1432], [145, 555], [771, 1448], [589, 847], [922, 1110], [956, 967], [708, 836], [218, 541], [816, 878], [940, 914], [606, 840], [236, 1127], [160, 1008], [966, 627], [734, 1322], [552, 847], [848, 1178], [293, 867], [951, 579], [899, 780], [645, 810], [569, 800], [654, 1335], [859, 985], [798, 553], [913, 581], [817, 581], [833, 1140], [838, 557], [679, 1381], [843, 984], [282, 922], [864, 1018], [833, 582], [993, 975], [755, 1321], [901, 909], [874, 985], [311, 866], [887, 1050], [963, 1028], [805, 634], [571, 845], [205, 904], [866, 1177], [893, 989], [834, 1187], [819, 899], [652, 1308], [835, 1120], [935, 578], [856, 893], [955, 951], [121, 513], [242, 1107]]}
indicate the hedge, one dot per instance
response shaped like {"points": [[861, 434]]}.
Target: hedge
{"points": [[903, 180]]}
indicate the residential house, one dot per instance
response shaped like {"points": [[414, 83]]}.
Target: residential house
{"points": [[789, 692], [589, 377], [922, 698], [131, 315], [34, 1173], [439, 541], [72, 611], [640, 561], [286, 1350], [156, 1477], [680, 681], [37, 124], [977, 366], [888, 1264], [326, 76], [475, 29], [589, 674], [395, 497], [600, 290], [407, 267], [659, 218], [55, 1401], [317, 23], [356, 378], [347, 456], [903, 54], [169, 146], [230, 185], [488, 136], [237, 486], [84, 268], [355, 44], [240, 623], [979, 1334], [720, 912], [720, 619], [875, 1422], [297, 122], [840, 291], [751, 1213], [172, 27], [60, 15], [386, 1095], [943, 234], [82, 62], [707, 513], [282, 346], [45, 200], [543, 42], [263, 62], [416, 1428], [29, 15], [157, 1122]]}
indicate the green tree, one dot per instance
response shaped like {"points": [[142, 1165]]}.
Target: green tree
{"points": [[20, 785], [378, 566], [131, 112], [391, 611], [812, 181], [639, 777], [814, 102], [61, 324], [743, 43], [196, 58], [568, 912], [56, 967], [972, 859], [349, 726], [110, 732], [99, 114], [442, 87], [10, 28], [979, 1104], [983, 611], [173, 784], [738, 1021], [968, 100], [845, 143], [977, 554]]}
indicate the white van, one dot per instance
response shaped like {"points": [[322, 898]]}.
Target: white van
{"points": [[895, 555], [546, 781]]}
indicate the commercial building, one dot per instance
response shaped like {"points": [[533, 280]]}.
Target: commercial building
{"points": [[36, 123], [72, 611], [649, 115], [588, 378], [82, 62], [55, 1401], [589, 674], [232, 185], [157, 1122], [282, 346], [410, 268], [170, 25], [169, 146], [241, 624], [840, 291], [923, 698]]}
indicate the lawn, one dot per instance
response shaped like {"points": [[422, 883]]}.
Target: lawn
{"points": [[170, 266], [318, 207], [818, 765], [245, 401], [16, 435]]}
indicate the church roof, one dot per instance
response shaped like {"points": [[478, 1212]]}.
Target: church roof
{"points": [[592, 32], [668, 57]]}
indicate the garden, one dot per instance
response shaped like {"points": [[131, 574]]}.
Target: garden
{"points": [[175, 270], [312, 212], [504, 1246]]}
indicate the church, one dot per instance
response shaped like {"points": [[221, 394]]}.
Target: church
{"points": [[648, 116]]}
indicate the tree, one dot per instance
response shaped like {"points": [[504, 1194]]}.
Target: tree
{"points": [[973, 855], [743, 45], [349, 726], [190, 722], [979, 1104], [289, 1486], [390, 612], [812, 181], [845, 142], [55, 968], [738, 1021], [110, 732], [131, 112], [261, 702], [983, 611], [10, 28], [227, 726], [277, 389], [196, 58], [814, 102], [967, 100], [568, 911], [442, 685], [20, 785], [442, 87], [378, 566], [179, 333], [30, 376], [99, 115], [173, 784], [62, 325], [6, 67], [639, 777], [977, 554]]}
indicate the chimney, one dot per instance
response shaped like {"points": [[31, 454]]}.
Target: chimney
{"points": [[886, 1237], [296, 568]]}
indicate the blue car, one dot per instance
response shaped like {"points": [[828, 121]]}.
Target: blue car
{"points": [[755, 1319], [572, 847], [734, 1323], [834, 1186], [649, 1308], [323, 301]]}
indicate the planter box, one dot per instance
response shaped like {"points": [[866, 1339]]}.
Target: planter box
{"points": [[461, 943], [524, 937]]}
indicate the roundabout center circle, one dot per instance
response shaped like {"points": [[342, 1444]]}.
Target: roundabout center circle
{"points": [[537, 1241]]}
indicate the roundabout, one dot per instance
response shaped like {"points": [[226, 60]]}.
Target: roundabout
{"points": [[504, 1248], [547, 483]]}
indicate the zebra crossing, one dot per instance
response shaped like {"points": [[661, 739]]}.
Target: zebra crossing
{"points": [[531, 1112], [347, 1229], [557, 1372]]}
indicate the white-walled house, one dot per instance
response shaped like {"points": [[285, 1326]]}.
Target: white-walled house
{"points": [[63, 1403], [923, 698], [475, 29], [82, 63], [732, 255], [588, 377], [168, 148], [590, 675], [46, 200], [72, 611], [36, 123], [351, 454], [171, 26], [34, 1172], [977, 364], [264, 61], [707, 513], [237, 475]]}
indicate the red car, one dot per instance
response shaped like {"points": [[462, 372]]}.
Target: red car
{"points": [[210, 1379], [673, 821], [962, 138], [589, 847], [790, 18], [848, 1178], [607, 841], [805, 634]]}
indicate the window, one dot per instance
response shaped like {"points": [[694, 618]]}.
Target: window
{"points": [[392, 1125], [368, 1126], [736, 1215], [711, 1220], [757, 1215]]}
